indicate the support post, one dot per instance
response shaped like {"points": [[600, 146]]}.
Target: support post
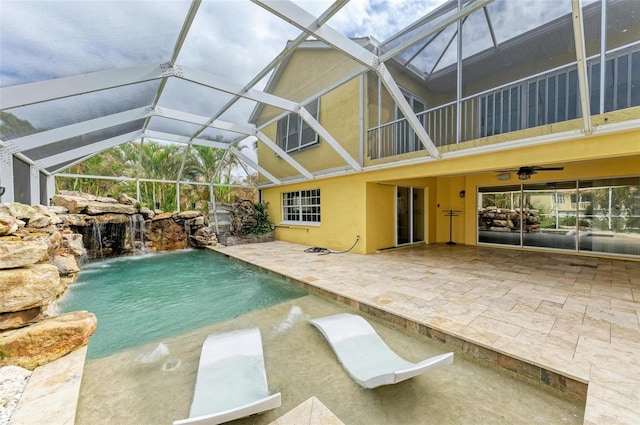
{"points": [[6, 175]]}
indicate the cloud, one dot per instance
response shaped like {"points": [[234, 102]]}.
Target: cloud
{"points": [[380, 19], [51, 39]]}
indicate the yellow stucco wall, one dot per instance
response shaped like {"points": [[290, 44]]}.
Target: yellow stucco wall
{"points": [[339, 113], [362, 203]]}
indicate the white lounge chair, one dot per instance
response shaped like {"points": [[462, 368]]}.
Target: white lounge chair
{"points": [[365, 356], [231, 381]]}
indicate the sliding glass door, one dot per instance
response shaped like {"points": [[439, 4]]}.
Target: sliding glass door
{"points": [[592, 216], [410, 222]]}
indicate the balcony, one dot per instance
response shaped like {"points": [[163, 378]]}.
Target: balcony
{"points": [[541, 99]]}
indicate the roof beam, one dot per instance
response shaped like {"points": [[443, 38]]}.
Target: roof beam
{"points": [[152, 134], [67, 165], [215, 82], [315, 125], [306, 22], [291, 46], [204, 121], [282, 154], [184, 31], [254, 165], [407, 111], [62, 133], [42, 91], [87, 150], [581, 59], [421, 35]]}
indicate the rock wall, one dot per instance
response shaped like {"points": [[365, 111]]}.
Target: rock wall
{"points": [[114, 227], [38, 260], [497, 219], [40, 252], [242, 217]]}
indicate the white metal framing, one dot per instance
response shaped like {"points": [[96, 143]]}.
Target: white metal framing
{"points": [[311, 26]]}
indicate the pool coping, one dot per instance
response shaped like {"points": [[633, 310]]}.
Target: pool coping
{"points": [[52, 393]]}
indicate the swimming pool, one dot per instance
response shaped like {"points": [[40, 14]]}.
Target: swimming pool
{"points": [[153, 382], [146, 298]]}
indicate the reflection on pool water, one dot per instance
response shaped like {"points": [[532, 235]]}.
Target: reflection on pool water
{"points": [[153, 383], [145, 298]]}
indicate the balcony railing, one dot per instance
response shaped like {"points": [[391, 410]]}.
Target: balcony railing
{"points": [[540, 99]]}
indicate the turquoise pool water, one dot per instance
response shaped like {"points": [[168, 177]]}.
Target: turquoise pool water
{"points": [[142, 299]]}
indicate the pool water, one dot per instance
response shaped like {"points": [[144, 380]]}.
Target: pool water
{"points": [[153, 384], [146, 298]]}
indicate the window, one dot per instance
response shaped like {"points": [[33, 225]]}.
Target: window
{"points": [[293, 133], [301, 206]]}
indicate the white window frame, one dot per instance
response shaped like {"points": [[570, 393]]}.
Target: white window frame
{"points": [[291, 129], [301, 207]]}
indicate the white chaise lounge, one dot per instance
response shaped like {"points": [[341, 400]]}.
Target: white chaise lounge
{"points": [[365, 356], [231, 381]]}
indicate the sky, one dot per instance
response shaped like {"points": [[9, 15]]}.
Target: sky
{"points": [[231, 39]]}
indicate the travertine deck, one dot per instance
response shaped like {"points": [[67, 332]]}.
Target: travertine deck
{"points": [[51, 396], [310, 412], [563, 319]]}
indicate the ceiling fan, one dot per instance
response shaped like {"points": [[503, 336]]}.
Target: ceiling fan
{"points": [[525, 173]]}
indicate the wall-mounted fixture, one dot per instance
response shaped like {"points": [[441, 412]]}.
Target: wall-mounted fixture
{"points": [[504, 176], [462, 193], [2, 190]]}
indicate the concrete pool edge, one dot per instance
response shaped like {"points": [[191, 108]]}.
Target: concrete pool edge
{"points": [[557, 380], [52, 393]]}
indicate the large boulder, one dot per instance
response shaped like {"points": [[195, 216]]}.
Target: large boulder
{"points": [[67, 264], [38, 221], [19, 319], [111, 218], [189, 214], [22, 253], [8, 224], [47, 340], [77, 193], [146, 212], [73, 204], [166, 235], [73, 242], [203, 237], [20, 211], [95, 207], [106, 200], [28, 287], [123, 198]]}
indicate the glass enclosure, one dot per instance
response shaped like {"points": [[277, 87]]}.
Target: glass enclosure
{"points": [[587, 215]]}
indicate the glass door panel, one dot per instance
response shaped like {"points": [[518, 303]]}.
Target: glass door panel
{"points": [[418, 215], [403, 210], [498, 215], [609, 216], [549, 216]]}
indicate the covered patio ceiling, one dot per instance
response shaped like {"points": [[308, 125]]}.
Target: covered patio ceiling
{"points": [[80, 77]]}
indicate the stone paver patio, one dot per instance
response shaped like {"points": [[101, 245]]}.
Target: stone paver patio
{"points": [[571, 322]]}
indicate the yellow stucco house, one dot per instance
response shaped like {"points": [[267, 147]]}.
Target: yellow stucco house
{"points": [[463, 133]]}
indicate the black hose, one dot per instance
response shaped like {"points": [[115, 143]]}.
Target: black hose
{"points": [[325, 251]]}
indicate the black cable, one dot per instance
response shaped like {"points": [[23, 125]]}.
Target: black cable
{"points": [[325, 251]]}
